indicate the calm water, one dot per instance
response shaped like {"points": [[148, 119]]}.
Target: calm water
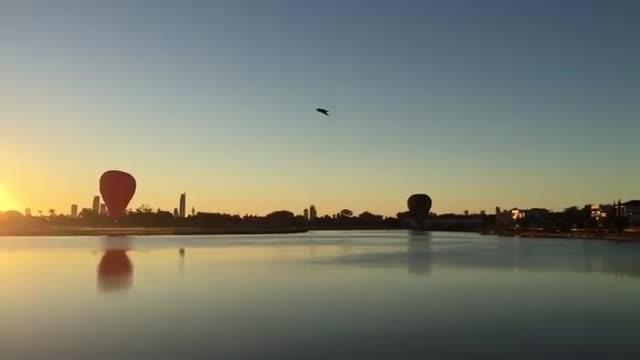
{"points": [[319, 295]]}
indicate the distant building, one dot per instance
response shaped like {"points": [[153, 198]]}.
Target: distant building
{"points": [[305, 213], [594, 210], [193, 211], [313, 213], [27, 212], [103, 209], [517, 214], [618, 208], [96, 204], [534, 217], [183, 205], [74, 210], [631, 209], [175, 212]]}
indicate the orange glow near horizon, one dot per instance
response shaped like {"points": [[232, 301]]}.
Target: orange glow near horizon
{"points": [[7, 202]]}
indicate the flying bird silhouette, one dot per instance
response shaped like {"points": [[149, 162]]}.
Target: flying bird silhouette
{"points": [[323, 111]]}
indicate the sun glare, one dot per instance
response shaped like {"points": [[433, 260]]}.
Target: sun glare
{"points": [[6, 201]]}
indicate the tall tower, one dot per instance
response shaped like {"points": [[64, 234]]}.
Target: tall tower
{"points": [[103, 209], [74, 210], [313, 213], [305, 213], [96, 204], [183, 205]]}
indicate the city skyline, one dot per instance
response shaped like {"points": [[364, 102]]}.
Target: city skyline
{"points": [[475, 104], [309, 213]]}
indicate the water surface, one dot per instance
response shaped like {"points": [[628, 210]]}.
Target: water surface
{"points": [[369, 294]]}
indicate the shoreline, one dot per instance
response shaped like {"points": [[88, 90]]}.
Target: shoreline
{"points": [[633, 236], [145, 231]]}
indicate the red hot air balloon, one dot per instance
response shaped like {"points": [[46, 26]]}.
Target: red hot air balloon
{"points": [[117, 189]]}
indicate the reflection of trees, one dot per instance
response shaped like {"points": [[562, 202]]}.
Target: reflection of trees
{"points": [[512, 254], [115, 271], [425, 255]]}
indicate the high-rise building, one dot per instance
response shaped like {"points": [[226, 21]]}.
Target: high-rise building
{"points": [[27, 212], [96, 204], [313, 213], [74, 210], [183, 205], [103, 209], [193, 211], [175, 212], [305, 213]]}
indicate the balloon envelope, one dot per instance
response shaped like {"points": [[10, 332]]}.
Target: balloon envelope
{"points": [[419, 205], [117, 189]]}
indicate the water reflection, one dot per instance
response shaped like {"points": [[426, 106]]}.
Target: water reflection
{"points": [[181, 261], [424, 255], [419, 257], [115, 270]]}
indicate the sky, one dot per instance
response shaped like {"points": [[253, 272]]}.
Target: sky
{"points": [[477, 103]]}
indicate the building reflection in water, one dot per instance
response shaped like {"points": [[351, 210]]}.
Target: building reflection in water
{"points": [[115, 270]]}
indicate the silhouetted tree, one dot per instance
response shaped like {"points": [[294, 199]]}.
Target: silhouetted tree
{"points": [[573, 217], [369, 219], [85, 213], [280, 218], [144, 209]]}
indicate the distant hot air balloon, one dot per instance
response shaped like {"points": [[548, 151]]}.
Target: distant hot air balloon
{"points": [[117, 189], [419, 206]]}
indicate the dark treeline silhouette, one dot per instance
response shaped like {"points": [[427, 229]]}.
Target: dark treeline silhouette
{"points": [[608, 218]]}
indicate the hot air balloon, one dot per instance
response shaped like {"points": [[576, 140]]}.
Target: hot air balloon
{"points": [[117, 189], [419, 206]]}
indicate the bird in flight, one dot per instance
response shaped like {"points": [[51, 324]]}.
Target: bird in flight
{"points": [[323, 111]]}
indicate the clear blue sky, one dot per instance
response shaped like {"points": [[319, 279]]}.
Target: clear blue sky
{"points": [[478, 103]]}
